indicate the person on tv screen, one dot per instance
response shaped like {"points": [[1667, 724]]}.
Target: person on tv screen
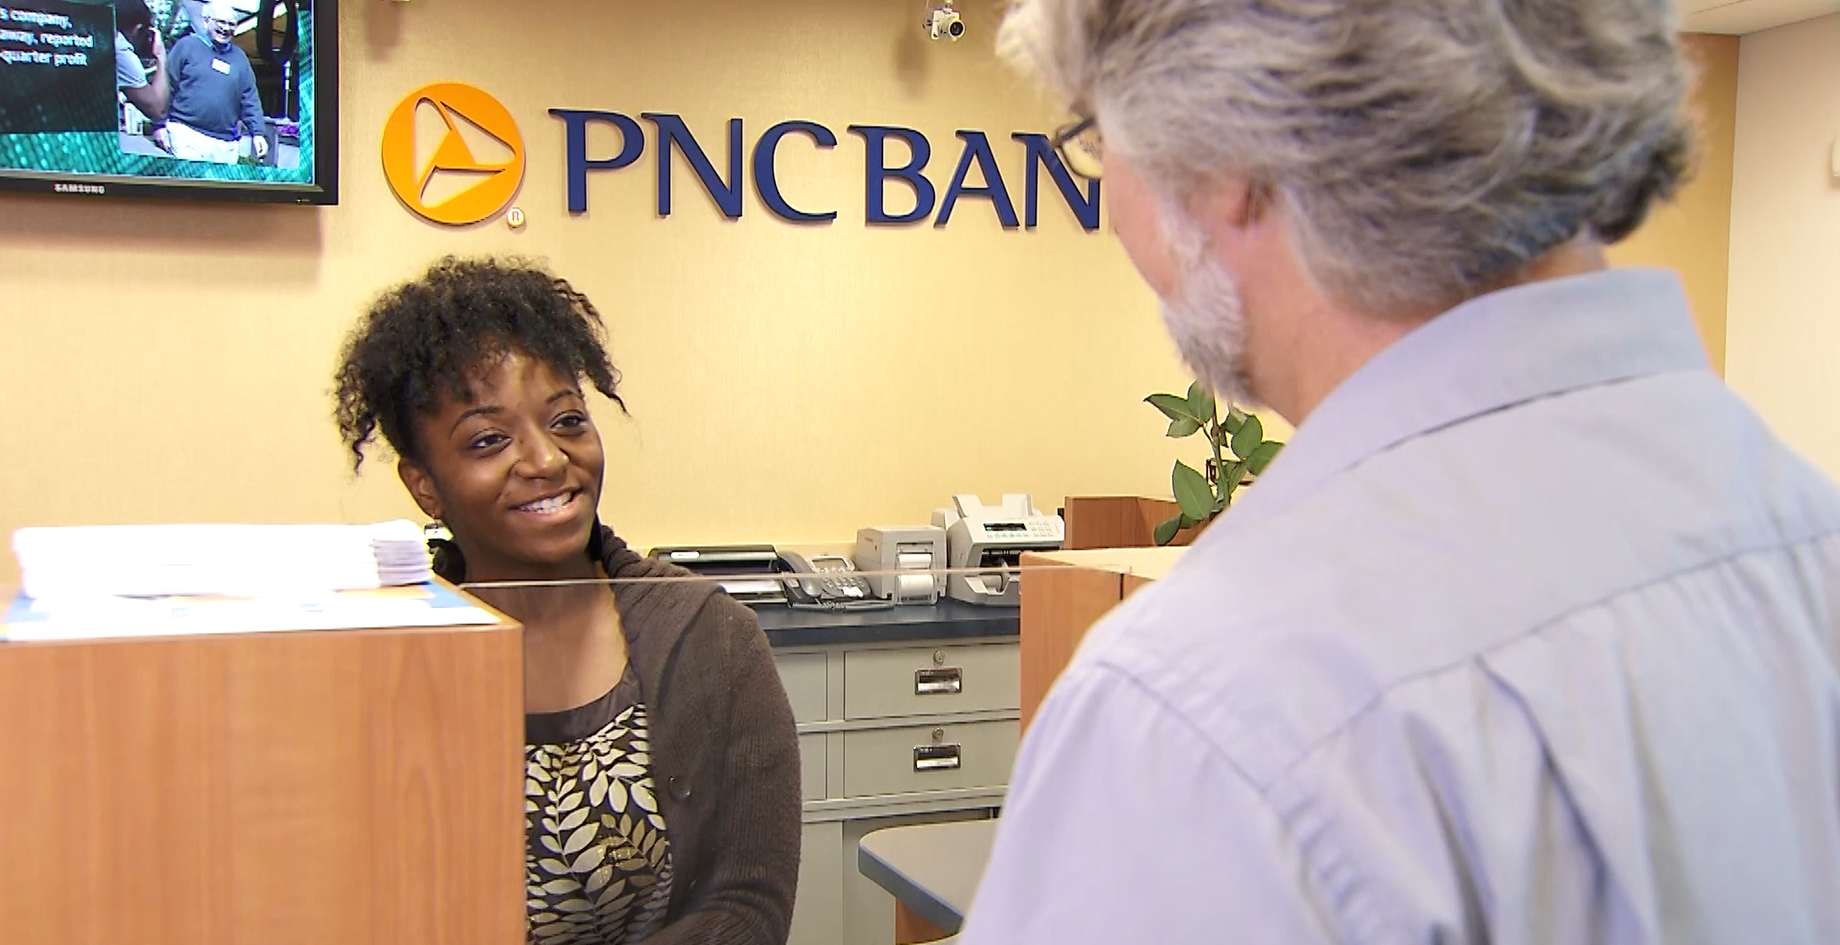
{"points": [[661, 761], [136, 39], [214, 101]]}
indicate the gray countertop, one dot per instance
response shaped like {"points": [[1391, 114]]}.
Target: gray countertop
{"points": [[947, 620], [932, 869]]}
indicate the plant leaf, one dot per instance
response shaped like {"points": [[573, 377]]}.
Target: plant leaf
{"points": [[1192, 492], [1248, 437], [1173, 407], [1201, 403], [1187, 426], [1263, 456], [1230, 423], [1166, 531]]}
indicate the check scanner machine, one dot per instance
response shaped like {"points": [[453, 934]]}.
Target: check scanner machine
{"points": [[991, 539]]}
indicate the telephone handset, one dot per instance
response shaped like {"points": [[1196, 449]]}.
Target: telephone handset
{"points": [[826, 582]]}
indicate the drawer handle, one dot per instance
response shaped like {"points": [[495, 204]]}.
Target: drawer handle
{"points": [[937, 757], [939, 682]]}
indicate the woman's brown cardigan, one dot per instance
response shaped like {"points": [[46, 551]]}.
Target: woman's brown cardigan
{"points": [[725, 755]]}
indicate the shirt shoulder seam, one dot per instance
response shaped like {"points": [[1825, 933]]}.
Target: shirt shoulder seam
{"points": [[1107, 667], [1304, 753]]}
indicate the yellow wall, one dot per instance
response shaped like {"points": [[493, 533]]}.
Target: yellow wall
{"points": [[1692, 235], [167, 361], [171, 362], [1784, 339]]}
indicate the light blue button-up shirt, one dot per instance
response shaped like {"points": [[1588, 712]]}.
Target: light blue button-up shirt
{"points": [[1528, 636]]}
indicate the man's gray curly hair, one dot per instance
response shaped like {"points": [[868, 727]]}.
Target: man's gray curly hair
{"points": [[1425, 149]]}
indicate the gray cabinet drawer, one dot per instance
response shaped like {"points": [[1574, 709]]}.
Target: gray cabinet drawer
{"points": [[803, 676], [880, 684], [817, 912], [928, 758], [811, 767]]}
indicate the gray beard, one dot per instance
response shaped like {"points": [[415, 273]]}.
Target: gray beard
{"points": [[1208, 323]]}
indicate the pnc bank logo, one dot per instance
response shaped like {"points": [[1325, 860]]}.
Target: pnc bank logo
{"points": [[451, 183], [476, 164]]}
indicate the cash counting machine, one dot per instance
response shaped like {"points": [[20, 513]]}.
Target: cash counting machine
{"points": [[988, 541]]}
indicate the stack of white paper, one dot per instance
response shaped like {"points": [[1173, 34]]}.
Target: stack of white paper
{"points": [[228, 560]]}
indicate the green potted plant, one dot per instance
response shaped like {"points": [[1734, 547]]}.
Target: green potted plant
{"points": [[1241, 452]]}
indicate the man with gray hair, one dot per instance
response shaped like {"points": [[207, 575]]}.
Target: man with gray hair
{"points": [[214, 101], [1529, 635]]}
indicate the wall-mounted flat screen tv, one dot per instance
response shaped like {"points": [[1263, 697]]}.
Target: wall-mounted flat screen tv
{"points": [[225, 99]]}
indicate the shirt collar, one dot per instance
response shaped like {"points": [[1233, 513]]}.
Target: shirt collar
{"points": [[1500, 349]]}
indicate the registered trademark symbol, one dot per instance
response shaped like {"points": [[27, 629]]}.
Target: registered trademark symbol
{"points": [[515, 217]]}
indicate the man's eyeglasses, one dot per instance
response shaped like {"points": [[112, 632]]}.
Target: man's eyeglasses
{"points": [[1080, 148]]}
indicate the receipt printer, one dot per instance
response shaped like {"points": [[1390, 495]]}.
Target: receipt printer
{"points": [[894, 548], [993, 537]]}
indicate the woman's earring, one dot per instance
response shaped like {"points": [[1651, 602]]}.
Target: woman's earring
{"points": [[444, 555]]}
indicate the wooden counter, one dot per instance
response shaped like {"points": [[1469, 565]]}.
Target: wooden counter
{"points": [[1064, 595], [356, 786]]}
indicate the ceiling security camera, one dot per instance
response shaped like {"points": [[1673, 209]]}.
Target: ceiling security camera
{"points": [[943, 22]]}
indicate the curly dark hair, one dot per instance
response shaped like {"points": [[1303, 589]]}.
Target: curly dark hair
{"points": [[422, 339]]}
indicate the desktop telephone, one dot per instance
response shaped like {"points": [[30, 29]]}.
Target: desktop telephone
{"points": [[826, 582]]}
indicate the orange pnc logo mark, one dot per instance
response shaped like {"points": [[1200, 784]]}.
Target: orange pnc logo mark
{"points": [[459, 106]]}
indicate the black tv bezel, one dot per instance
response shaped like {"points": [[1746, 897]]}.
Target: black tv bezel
{"points": [[324, 192]]}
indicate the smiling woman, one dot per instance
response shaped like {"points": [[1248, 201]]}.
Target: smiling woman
{"points": [[473, 375]]}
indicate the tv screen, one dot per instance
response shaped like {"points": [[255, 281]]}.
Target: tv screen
{"points": [[229, 99]]}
